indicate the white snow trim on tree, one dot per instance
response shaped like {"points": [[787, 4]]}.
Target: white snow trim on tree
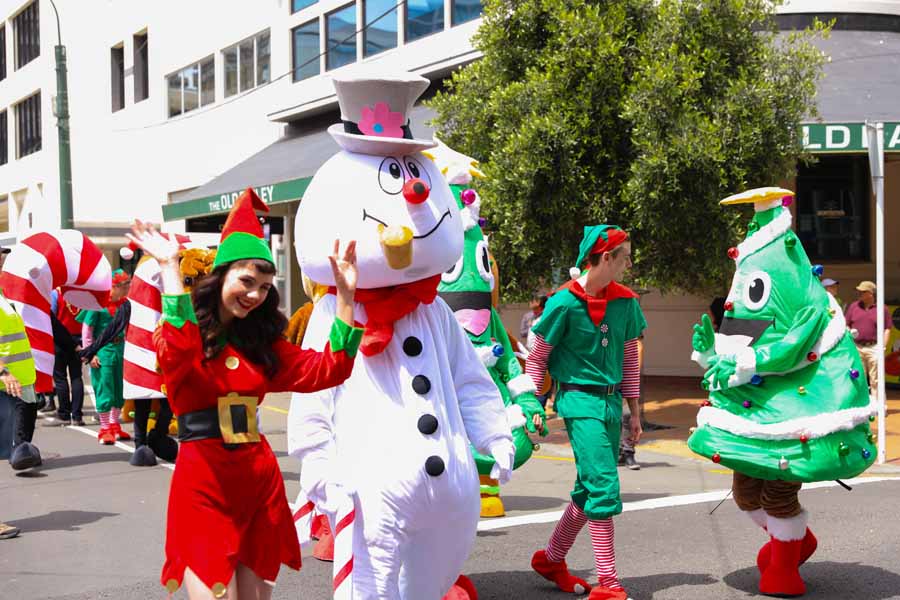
{"points": [[790, 529], [767, 234], [813, 427], [487, 356], [515, 416], [471, 212], [745, 367], [521, 384]]}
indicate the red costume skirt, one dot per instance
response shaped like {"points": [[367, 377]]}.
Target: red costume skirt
{"points": [[227, 507]]}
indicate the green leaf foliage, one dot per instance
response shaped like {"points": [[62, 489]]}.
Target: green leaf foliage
{"points": [[640, 113]]}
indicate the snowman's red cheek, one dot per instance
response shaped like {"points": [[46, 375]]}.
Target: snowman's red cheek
{"points": [[416, 191]]}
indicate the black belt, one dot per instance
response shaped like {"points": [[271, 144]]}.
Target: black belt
{"points": [[600, 390], [204, 424]]}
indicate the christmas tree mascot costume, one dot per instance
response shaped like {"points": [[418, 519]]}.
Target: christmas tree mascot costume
{"points": [[386, 454], [788, 403], [466, 288]]}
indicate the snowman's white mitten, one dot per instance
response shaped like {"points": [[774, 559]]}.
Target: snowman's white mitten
{"points": [[504, 453]]}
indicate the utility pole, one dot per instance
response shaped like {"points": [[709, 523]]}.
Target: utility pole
{"points": [[62, 128]]}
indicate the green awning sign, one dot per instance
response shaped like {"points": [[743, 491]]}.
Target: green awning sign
{"points": [[846, 137], [276, 193]]}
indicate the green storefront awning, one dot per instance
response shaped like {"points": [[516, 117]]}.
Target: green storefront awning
{"points": [[276, 193], [846, 137]]}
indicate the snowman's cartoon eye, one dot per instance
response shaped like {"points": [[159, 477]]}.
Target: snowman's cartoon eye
{"points": [[757, 288], [390, 176], [453, 273], [416, 169], [483, 262]]}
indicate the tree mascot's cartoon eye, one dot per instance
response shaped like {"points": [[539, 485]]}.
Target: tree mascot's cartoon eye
{"points": [[483, 261], [453, 273], [757, 288], [390, 176]]}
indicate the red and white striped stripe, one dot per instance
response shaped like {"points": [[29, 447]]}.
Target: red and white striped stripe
{"points": [[64, 259], [603, 544], [141, 379], [631, 371], [536, 363], [566, 531], [342, 582]]}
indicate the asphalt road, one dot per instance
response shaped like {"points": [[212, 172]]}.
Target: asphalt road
{"points": [[94, 527]]}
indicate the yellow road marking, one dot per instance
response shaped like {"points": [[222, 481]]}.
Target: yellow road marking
{"points": [[565, 458]]}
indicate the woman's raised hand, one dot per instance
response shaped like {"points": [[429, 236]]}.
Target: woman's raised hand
{"points": [[145, 236], [344, 269]]}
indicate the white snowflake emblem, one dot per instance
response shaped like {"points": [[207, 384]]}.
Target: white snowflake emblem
{"points": [[604, 328], [604, 342]]}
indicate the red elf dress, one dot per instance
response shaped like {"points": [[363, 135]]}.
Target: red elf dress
{"points": [[227, 503]]}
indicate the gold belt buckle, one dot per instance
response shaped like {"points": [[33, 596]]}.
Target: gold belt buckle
{"points": [[237, 419]]}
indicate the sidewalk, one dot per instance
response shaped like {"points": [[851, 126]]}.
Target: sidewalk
{"points": [[674, 401]]}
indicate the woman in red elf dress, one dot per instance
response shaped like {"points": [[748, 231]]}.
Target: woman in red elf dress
{"points": [[229, 525]]}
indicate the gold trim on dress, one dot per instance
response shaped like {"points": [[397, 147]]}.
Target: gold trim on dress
{"points": [[229, 436]]}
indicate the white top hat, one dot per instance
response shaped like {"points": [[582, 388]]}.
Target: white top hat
{"points": [[375, 113]]}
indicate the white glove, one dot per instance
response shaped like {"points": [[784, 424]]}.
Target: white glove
{"points": [[503, 452], [328, 497]]}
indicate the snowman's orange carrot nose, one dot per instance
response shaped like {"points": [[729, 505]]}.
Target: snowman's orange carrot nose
{"points": [[416, 191]]}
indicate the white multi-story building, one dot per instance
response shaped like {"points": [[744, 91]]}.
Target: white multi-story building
{"points": [[177, 106]]}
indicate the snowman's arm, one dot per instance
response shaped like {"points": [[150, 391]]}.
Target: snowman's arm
{"points": [[311, 416], [480, 403], [785, 354]]}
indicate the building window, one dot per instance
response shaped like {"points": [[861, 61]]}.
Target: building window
{"points": [[192, 87], [423, 17], [832, 208], [2, 52], [141, 67], [380, 34], [4, 213], [117, 77], [4, 139], [464, 11], [247, 64], [297, 5], [340, 31], [305, 40], [28, 125], [27, 28]]}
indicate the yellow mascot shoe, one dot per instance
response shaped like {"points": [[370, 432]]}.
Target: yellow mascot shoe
{"points": [[491, 506]]}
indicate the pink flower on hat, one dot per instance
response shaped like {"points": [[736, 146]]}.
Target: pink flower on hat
{"points": [[380, 121]]}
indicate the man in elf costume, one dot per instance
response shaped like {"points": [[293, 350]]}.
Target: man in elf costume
{"points": [[788, 401], [588, 337], [467, 289], [106, 366]]}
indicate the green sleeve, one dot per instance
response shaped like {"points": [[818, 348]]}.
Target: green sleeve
{"points": [[86, 317], [177, 310], [636, 323], [552, 323], [344, 337]]}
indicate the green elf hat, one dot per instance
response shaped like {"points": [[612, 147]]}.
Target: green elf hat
{"points": [[242, 236], [597, 240]]}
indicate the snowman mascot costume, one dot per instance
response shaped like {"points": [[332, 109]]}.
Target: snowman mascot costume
{"points": [[386, 454]]}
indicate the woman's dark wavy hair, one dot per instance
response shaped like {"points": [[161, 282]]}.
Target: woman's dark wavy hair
{"points": [[255, 334]]}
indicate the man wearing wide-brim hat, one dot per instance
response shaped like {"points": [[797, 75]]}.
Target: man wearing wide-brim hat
{"points": [[862, 320]]}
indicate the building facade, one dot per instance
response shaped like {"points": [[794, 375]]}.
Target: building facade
{"points": [[175, 108]]}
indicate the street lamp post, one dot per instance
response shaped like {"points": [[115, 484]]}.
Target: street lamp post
{"points": [[62, 128]]}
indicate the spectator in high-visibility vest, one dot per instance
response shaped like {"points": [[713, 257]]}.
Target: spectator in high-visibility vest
{"points": [[17, 377]]}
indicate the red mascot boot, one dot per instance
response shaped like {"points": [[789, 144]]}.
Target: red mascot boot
{"points": [[810, 543], [781, 578], [324, 548], [463, 589], [558, 573]]}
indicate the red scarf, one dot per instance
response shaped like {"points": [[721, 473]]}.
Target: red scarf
{"points": [[596, 305], [112, 307], [386, 305]]}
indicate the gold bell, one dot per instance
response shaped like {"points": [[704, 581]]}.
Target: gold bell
{"points": [[232, 362], [172, 586], [218, 590], [801, 389]]}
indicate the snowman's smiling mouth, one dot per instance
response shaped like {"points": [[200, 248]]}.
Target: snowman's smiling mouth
{"points": [[446, 215]]}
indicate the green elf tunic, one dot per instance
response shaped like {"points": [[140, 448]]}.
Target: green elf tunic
{"points": [[106, 380], [590, 355]]}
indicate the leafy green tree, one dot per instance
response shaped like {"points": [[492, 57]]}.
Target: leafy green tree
{"points": [[634, 112]]}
